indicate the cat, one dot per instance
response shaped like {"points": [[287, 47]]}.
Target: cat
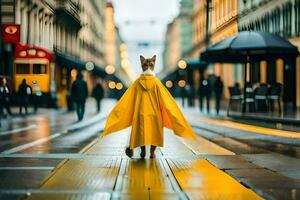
{"points": [[146, 64]]}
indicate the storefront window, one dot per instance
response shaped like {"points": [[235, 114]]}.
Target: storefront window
{"points": [[39, 69], [22, 69]]}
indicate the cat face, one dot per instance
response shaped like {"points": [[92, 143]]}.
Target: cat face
{"points": [[148, 62]]}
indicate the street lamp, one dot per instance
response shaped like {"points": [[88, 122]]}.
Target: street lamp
{"points": [[208, 20]]}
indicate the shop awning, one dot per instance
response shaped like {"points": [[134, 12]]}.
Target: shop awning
{"points": [[70, 62], [73, 63], [99, 71]]}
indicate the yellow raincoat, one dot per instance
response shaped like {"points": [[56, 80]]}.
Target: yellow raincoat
{"points": [[148, 106]]}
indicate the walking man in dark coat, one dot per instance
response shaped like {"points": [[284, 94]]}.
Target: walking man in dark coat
{"points": [[24, 92], [98, 94], [79, 94], [204, 92], [218, 89], [4, 97]]}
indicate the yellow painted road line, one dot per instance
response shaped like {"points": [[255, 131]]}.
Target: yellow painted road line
{"points": [[201, 180], [246, 127], [146, 179]]}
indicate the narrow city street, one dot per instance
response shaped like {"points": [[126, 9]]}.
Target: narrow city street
{"points": [[139, 99], [51, 156]]}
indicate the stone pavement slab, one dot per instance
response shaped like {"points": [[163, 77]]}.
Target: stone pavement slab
{"points": [[274, 161], [282, 194], [168, 176], [230, 162]]}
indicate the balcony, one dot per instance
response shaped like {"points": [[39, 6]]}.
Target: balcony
{"points": [[67, 11]]}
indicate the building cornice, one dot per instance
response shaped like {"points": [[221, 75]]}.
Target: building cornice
{"points": [[223, 25], [249, 15]]}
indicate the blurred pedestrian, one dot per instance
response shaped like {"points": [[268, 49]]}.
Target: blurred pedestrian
{"points": [[4, 97], [218, 89], [188, 93], [183, 94], [191, 96], [69, 100], [79, 94], [98, 94], [204, 92], [24, 93], [37, 95]]}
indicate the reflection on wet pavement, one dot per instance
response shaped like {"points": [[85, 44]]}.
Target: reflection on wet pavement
{"points": [[183, 169], [201, 180], [161, 178]]}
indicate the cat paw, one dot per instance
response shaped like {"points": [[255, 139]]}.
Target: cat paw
{"points": [[152, 155], [143, 154], [129, 152]]}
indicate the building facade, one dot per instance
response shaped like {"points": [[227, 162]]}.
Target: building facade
{"points": [[72, 30], [280, 17], [213, 21], [179, 36], [199, 27], [92, 33], [115, 51], [186, 26], [223, 24], [171, 53]]}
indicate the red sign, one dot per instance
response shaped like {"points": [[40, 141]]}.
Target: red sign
{"points": [[11, 33]]}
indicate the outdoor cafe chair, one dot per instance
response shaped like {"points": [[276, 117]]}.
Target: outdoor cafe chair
{"points": [[261, 95], [275, 95], [235, 97], [249, 99]]}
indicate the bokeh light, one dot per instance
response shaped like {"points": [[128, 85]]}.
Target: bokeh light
{"points": [[123, 47], [89, 66], [181, 83], [182, 64], [169, 84], [111, 85], [119, 86], [110, 69]]}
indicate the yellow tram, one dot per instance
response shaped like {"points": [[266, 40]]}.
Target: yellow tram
{"points": [[36, 65]]}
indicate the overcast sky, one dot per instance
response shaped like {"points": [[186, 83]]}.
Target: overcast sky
{"points": [[144, 21]]}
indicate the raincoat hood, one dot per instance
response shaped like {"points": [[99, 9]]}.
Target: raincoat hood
{"points": [[147, 81]]}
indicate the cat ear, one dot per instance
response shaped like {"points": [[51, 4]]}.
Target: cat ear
{"points": [[153, 58], [142, 59]]}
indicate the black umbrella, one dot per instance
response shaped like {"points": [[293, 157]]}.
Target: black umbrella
{"points": [[249, 46]]}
